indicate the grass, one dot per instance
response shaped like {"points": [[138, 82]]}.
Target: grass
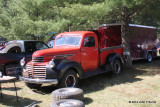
{"points": [[139, 84]]}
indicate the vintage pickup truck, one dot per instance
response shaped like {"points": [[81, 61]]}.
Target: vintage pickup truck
{"points": [[75, 55], [14, 51]]}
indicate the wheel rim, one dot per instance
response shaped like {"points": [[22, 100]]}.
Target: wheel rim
{"points": [[64, 104], [70, 81], [117, 68], [149, 57]]}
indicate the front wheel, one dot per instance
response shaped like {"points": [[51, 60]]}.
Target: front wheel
{"points": [[116, 67], [69, 79]]}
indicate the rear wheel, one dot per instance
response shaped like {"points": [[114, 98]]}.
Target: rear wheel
{"points": [[149, 57], [69, 79], [32, 85], [117, 68]]}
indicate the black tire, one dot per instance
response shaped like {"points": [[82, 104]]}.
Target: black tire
{"points": [[149, 57], [13, 70], [32, 85], [67, 93], [67, 103], [12, 48], [69, 79], [117, 67]]}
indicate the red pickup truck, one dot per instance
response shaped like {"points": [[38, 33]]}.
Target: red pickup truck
{"points": [[75, 55]]}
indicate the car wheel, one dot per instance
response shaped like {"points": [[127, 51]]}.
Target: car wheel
{"points": [[69, 79], [117, 67], [67, 93], [67, 103]]}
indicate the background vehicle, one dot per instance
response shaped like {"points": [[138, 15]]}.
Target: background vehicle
{"points": [[142, 40], [75, 55], [50, 43], [3, 42], [14, 51]]}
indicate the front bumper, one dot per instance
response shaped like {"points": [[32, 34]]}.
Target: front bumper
{"points": [[39, 81]]}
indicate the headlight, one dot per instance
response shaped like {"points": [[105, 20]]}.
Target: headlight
{"points": [[51, 63], [22, 62]]}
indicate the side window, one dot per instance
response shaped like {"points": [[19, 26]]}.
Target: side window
{"points": [[40, 46], [29, 47], [89, 42]]}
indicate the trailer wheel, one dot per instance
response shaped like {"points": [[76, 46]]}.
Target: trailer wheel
{"points": [[69, 79], [32, 85], [67, 103], [117, 67], [67, 93], [149, 57]]}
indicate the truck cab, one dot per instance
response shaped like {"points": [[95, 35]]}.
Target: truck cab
{"points": [[75, 55]]}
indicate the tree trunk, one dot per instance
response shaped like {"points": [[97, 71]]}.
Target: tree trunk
{"points": [[125, 36]]}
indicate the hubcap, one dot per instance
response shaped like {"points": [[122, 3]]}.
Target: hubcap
{"points": [[70, 81]]}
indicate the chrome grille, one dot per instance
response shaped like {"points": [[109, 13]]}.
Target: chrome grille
{"points": [[29, 70], [37, 59], [39, 71]]}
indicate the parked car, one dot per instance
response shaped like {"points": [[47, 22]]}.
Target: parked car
{"points": [[3, 44], [14, 51]]}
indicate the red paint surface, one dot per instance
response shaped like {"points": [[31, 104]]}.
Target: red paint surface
{"points": [[88, 57]]}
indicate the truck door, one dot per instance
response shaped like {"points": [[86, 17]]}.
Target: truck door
{"points": [[89, 53]]}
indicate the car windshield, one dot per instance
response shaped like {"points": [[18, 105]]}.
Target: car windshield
{"points": [[68, 40]]}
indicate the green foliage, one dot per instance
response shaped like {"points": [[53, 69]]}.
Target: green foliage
{"points": [[23, 19]]}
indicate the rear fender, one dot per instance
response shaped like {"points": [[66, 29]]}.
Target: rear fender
{"points": [[110, 59]]}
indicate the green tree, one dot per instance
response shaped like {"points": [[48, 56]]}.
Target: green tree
{"points": [[22, 19]]}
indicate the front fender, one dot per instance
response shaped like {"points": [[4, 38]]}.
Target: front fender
{"points": [[63, 65]]}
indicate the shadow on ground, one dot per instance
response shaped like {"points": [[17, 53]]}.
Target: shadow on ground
{"points": [[10, 88], [45, 90], [140, 67], [99, 82], [9, 100]]}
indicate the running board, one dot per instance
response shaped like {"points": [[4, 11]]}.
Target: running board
{"points": [[95, 72]]}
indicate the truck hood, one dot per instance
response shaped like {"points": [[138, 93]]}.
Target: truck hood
{"points": [[56, 51]]}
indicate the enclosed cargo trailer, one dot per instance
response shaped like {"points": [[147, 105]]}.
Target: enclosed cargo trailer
{"points": [[142, 40]]}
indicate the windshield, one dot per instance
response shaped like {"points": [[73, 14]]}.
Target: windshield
{"points": [[68, 40]]}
